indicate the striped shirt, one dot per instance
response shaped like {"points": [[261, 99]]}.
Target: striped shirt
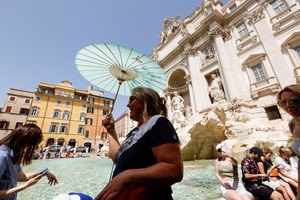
{"points": [[8, 171]]}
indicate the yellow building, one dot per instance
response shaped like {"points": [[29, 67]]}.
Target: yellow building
{"points": [[68, 116]]}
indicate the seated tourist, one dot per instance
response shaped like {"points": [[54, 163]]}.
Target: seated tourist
{"points": [[287, 166], [227, 174], [252, 177], [266, 166]]}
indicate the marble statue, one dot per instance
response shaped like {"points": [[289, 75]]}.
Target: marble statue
{"points": [[215, 89], [178, 108], [208, 7]]}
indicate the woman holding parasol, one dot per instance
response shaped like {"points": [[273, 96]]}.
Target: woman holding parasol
{"points": [[149, 161]]}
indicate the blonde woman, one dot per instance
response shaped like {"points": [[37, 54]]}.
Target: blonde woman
{"points": [[289, 100], [285, 166]]}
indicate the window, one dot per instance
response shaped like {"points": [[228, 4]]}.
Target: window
{"points": [[89, 121], [4, 124], [68, 95], [56, 114], [12, 98], [34, 111], [83, 106], [27, 101], [19, 124], [24, 111], [91, 100], [106, 103], [30, 122], [8, 109], [63, 128], [66, 115], [80, 130], [82, 117], [279, 6], [58, 102], [105, 112], [297, 49], [87, 134], [242, 29], [90, 110], [59, 93], [53, 128], [259, 72], [68, 103], [104, 135], [37, 99], [273, 113]]}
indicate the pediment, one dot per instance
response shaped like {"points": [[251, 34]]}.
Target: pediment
{"points": [[292, 40], [253, 58]]}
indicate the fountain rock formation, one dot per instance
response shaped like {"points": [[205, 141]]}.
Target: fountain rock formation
{"points": [[232, 125]]}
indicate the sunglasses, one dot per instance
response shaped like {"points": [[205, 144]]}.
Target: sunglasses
{"points": [[292, 102]]}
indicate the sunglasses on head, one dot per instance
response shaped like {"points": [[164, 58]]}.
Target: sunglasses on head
{"points": [[292, 102]]}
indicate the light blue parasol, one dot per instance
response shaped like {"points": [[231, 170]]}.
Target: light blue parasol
{"points": [[118, 69]]}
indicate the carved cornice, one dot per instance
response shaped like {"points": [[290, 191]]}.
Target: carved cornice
{"points": [[227, 34], [220, 32], [191, 52]]}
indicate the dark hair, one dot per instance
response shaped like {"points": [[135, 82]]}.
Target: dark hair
{"points": [[23, 142], [295, 89], [154, 104]]}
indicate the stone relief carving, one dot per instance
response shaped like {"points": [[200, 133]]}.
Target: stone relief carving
{"points": [[207, 54]]}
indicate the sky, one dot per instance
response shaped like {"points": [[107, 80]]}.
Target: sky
{"points": [[40, 39]]}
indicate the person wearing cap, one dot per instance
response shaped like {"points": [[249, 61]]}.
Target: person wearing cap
{"points": [[274, 181], [227, 174], [286, 167], [252, 177]]}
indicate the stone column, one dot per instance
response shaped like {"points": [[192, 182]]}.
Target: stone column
{"points": [[271, 46], [229, 78], [194, 66], [191, 93]]}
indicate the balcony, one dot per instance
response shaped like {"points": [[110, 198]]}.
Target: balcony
{"points": [[264, 87]]}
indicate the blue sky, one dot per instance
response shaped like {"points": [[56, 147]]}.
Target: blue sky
{"points": [[39, 39]]}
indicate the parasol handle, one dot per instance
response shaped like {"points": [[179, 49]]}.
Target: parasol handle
{"points": [[113, 106]]}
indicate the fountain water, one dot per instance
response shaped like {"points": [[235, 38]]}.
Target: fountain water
{"points": [[90, 175]]}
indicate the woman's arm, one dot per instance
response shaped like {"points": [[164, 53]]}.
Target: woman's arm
{"points": [[220, 179], [30, 182], [113, 140], [281, 171], [22, 177]]}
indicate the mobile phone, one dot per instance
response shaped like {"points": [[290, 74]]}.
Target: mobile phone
{"points": [[44, 171]]}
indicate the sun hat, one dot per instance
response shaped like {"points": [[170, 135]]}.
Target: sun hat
{"points": [[73, 196]]}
